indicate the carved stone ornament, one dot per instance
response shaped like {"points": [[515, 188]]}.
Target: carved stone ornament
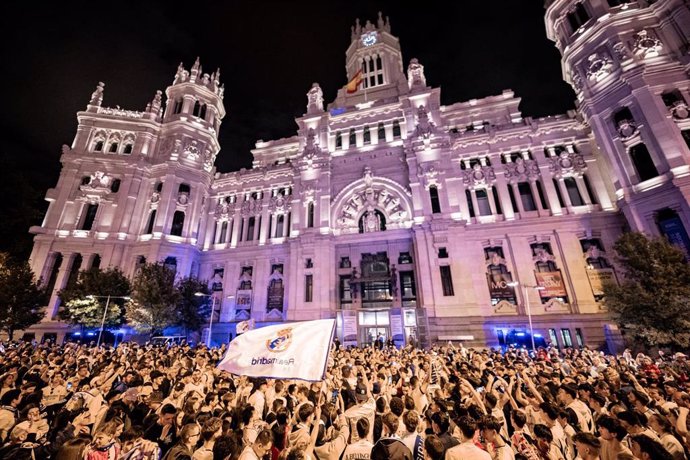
{"points": [[627, 129], [425, 128], [428, 175], [183, 198], [621, 51], [308, 194], [191, 151], [577, 81], [315, 99], [155, 197], [98, 186], [209, 159], [279, 204], [541, 255], [522, 170], [97, 95], [598, 66], [505, 308], [680, 110], [479, 176], [251, 207], [646, 44], [224, 210], [567, 164], [311, 149], [415, 74], [371, 198]]}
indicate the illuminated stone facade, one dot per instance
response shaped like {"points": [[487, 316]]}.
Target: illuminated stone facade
{"points": [[386, 210]]}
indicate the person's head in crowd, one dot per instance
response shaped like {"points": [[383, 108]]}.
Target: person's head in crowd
{"points": [[631, 420], [587, 446], [490, 428], [397, 406], [411, 421], [11, 398], [543, 436], [567, 393], [73, 449], [549, 413], [610, 428], [381, 405], [434, 448], [409, 403], [660, 424], [305, 412], [440, 422], [391, 423], [190, 435], [363, 427], [211, 429], [167, 415], [518, 419], [468, 427], [645, 448], [262, 444]]}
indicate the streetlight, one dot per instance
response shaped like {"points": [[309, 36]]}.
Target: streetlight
{"points": [[105, 310], [527, 307], [213, 310]]}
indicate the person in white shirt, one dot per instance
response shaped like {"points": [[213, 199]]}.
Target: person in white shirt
{"points": [[467, 450], [496, 444], [567, 394], [258, 399], [259, 448], [360, 450]]}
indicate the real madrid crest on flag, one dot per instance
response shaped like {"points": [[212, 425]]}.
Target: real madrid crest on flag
{"points": [[285, 351], [282, 342]]}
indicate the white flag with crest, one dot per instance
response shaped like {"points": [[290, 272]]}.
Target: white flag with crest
{"points": [[284, 351]]}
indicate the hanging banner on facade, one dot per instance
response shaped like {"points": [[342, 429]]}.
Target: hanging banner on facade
{"points": [[243, 301], [397, 332], [674, 230], [598, 277], [498, 285], [217, 282], [349, 328], [552, 282], [275, 296]]}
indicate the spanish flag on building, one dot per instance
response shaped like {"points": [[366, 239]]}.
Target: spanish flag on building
{"points": [[353, 85]]}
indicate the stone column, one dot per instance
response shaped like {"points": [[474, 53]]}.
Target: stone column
{"points": [[552, 196], [583, 190], [504, 196]]}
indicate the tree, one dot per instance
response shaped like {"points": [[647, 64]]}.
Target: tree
{"points": [[652, 304], [21, 296], [85, 299], [154, 299], [192, 310]]}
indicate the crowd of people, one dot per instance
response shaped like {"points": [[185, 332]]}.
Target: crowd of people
{"points": [[143, 402]]}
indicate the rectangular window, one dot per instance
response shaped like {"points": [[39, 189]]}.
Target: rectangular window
{"points": [[308, 288], [578, 337], [404, 258], [89, 216], [446, 281], [573, 191], [526, 196], [407, 285], [345, 294], [435, 203], [553, 337], [345, 262], [567, 339], [483, 203]]}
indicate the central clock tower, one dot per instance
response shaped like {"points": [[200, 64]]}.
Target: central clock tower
{"points": [[375, 53]]}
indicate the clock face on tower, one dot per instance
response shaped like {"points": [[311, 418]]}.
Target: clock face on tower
{"points": [[369, 38]]}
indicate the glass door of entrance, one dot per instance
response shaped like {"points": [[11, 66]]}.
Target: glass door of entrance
{"points": [[370, 334]]}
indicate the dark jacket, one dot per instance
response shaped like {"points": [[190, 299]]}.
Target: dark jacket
{"points": [[390, 449]]}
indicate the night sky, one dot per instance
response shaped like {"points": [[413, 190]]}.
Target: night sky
{"points": [[269, 54]]}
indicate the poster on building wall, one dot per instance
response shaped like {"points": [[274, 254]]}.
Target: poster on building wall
{"points": [[674, 230], [349, 328], [598, 277], [498, 285], [397, 331], [243, 303], [217, 281], [552, 282], [276, 291]]}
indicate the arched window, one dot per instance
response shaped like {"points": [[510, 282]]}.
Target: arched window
{"points": [[85, 180], [197, 109], [577, 17], [372, 221], [381, 133], [128, 149], [202, 112], [338, 140], [74, 269], [99, 146], [151, 222], [353, 137], [366, 136], [177, 223], [396, 129], [96, 261], [643, 163], [159, 187], [170, 263], [113, 147], [115, 186], [184, 188], [435, 202]]}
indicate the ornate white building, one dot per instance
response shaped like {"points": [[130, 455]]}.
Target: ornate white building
{"points": [[387, 210]]}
